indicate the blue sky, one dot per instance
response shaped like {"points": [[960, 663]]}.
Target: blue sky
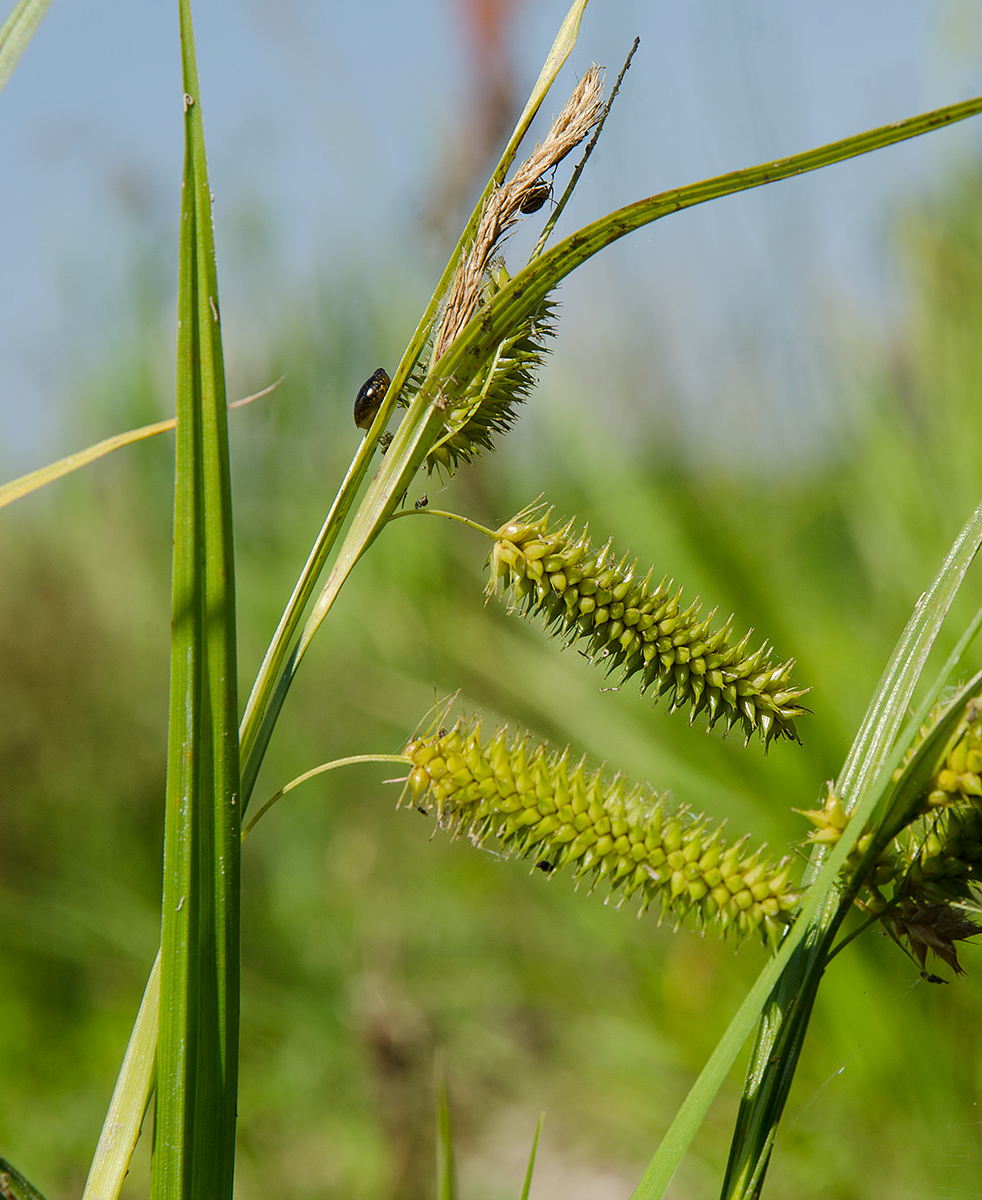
{"points": [[335, 116]]}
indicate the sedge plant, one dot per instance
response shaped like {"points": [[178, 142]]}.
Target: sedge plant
{"points": [[898, 837]]}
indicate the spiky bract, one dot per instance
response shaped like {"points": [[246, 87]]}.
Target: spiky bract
{"points": [[488, 404], [542, 805], [635, 627]]}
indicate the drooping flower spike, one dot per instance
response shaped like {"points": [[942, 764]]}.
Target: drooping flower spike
{"points": [[635, 627], [539, 804]]}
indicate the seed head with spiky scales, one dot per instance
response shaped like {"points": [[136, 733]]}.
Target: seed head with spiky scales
{"points": [[540, 804], [935, 865], [487, 406], [477, 408], [943, 851], [637, 628]]}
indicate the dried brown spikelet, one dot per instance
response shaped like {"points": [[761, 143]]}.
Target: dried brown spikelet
{"points": [[637, 628], [476, 408], [540, 804], [502, 208], [935, 927]]}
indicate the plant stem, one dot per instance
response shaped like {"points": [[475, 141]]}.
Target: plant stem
{"points": [[437, 512], [324, 767]]}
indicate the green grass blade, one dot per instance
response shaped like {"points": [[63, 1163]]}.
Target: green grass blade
{"points": [[534, 282], [17, 31], [199, 994], [18, 488], [134, 1087], [446, 1172], [273, 680], [889, 707], [817, 914], [531, 1167], [13, 1185], [865, 784]]}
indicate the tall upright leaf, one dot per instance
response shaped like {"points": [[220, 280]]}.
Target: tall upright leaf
{"points": [[199, 997]]}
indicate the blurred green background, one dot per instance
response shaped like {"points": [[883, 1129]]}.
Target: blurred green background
{"points": [[370, 945]]}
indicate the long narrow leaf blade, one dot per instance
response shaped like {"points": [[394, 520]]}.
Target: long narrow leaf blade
{"points": [[863, 784], [529, 1170], [17, 31], [199, 995], [871, 746], [134, 1087], [16, 489], [533, 283], [272, 682]]}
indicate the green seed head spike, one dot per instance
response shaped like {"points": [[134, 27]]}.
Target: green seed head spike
{"points": [[488, 405], [539, 805], [634, 628]]}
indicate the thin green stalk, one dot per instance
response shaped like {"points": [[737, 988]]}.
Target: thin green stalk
{"points": [[321, 770], [446, 1171], [451, 516], [416, 434]]}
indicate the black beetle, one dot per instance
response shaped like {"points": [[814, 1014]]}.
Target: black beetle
{"points": [[370, 396]]}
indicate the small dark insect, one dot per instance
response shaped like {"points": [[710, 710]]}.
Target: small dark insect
{"points": [[536, 196], [422, 502], [545, 866], [370, 396]]}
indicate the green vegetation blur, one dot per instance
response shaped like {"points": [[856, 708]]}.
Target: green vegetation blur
{"points": [[373, 944]]}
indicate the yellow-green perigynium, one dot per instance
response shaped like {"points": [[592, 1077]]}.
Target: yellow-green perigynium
{"points": [[830, 820], [935, 863], [944, 851], [542, 805], [636, 627], [939, 855]]}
